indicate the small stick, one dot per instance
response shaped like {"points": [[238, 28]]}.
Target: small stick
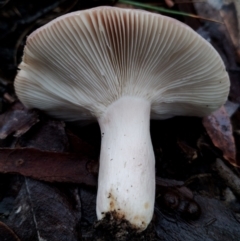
{"points": [[232, 180]]}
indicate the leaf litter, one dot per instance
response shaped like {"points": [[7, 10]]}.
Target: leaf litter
{"points": [[62, 157], [17, 121], [219, 129]]}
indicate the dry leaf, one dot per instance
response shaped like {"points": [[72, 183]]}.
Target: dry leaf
{"points": [[48, 135], [219, 129], [230, 12], [224, 37], [45, 212], [17, 120], [45, 159], [48, 166]]}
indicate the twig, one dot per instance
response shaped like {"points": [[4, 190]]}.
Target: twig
{"points": [[232, 180]]}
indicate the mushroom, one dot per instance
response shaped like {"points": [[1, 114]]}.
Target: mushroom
{"points": [[121, 67]]}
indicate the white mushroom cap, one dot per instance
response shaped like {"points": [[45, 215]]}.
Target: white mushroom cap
{"points": [[80, 63], [120, 66]]}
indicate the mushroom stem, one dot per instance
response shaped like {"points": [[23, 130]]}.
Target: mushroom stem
{"points": [[127, 163]]}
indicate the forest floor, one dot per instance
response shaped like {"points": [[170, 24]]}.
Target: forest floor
{"points": [[48, 168]]}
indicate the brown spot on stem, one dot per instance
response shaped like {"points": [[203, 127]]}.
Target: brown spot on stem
{"points": [[146, 205], [112, 205]]}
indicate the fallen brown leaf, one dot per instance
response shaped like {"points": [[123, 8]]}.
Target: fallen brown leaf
{"points": [[17, 121], [47, 211], [48, 166], [219, 129]]}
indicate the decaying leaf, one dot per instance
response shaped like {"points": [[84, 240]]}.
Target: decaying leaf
{"points": [[45, 212], [88, 202], [224, 37], [6, 234], [45, 159], [48, 166], [48, 135], [17, 121], [219, 128], [229, 13]]}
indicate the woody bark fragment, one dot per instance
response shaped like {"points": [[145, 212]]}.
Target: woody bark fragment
{"points": [[49, 166]]}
